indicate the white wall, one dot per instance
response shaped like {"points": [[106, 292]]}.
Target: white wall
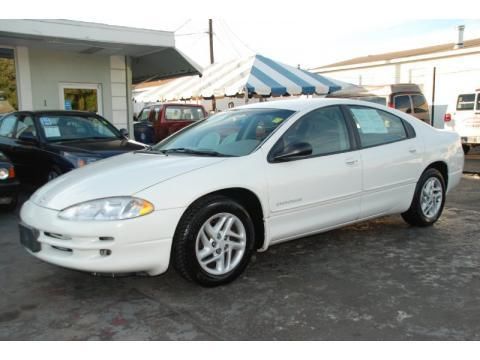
{"points": [[49, 68], [454, 75], [118, 76]]}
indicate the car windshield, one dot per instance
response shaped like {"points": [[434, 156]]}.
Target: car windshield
{"points": [[232, 133], [66, 127]]}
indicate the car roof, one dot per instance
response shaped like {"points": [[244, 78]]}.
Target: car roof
{"points": [[304, 104], [57, 112], [169, 104]]}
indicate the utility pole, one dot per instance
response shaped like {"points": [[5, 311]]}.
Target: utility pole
{"points": [[210, 35], [212, 59]]}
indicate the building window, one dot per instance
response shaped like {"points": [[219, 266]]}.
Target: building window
{"points": [[8, 81]]}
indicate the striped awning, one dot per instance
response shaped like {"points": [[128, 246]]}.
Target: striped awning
{"points": [[256, 74]]}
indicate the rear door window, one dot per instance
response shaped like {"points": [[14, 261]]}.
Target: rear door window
{"points": [[402, 103], [465, 102], [419, 104], [377, 127]]}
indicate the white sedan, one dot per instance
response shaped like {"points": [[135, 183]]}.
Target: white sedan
{"points": [[208, 196]]}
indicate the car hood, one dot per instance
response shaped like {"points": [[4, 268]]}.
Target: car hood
{"points": [[121, 175], [98, 147]]}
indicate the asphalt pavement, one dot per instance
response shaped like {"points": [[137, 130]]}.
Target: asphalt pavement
{"points": [[378, 280]]}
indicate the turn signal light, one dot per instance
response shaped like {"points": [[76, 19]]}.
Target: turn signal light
{"points": [[447, 117], [11, 172]]}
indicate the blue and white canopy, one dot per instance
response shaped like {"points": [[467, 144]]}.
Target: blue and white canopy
{"points": [[256, 74]]}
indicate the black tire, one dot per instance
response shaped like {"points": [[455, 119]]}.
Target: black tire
{"points": [[12, 206], [183, 251], [414, 215], [466, 149]]}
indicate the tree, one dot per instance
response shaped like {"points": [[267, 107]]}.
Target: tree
{"points": [[8, 80]]}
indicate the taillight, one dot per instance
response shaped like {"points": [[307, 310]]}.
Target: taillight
{"points": [[11, 172], [447, 117], [390, 105]]}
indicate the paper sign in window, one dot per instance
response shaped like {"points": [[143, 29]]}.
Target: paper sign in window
{"points": [[51, 131], [45, 121], [369, 121]]}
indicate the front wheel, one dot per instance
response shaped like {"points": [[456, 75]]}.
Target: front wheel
{"points": [[12, 205], [214, 241], [428, 201]]}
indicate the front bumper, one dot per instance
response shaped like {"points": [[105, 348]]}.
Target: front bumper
{"points": [[142, 244], [8, 192]]}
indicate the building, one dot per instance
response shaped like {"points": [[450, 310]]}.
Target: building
{"points": [[442, 71], [62, 64]]}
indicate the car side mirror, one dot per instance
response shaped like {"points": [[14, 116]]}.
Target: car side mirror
{"points": [[294, 151], [28, 137], [124, 132], [135, 118]]}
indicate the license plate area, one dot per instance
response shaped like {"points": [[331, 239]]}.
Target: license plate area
{"points": [[28, 238]]}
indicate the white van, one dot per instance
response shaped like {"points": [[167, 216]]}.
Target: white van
{"points": [[464, 118]]}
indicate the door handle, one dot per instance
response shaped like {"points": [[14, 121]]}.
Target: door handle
{"points": [[413, 150], [351, 162]]}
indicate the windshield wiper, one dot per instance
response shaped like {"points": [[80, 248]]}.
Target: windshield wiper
{"points": [[193, 152]]}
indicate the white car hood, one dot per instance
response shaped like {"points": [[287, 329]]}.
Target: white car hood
{"points": [[121, 175]]}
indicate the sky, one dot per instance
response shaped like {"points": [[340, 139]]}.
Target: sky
{"points": [[297, 32]]}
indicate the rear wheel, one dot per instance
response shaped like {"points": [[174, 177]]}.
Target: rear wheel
{"points": [[214, 241], [428, 201]]}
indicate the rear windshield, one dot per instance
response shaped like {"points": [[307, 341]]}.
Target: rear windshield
{"points": [[465, 102], [184, 113], [419, 104]]}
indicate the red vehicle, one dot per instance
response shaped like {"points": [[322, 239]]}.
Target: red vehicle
{"points": [[156, 122]]}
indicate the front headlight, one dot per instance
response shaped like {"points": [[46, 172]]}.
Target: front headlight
{"points": [[4, 173], [115, 208], [79, 160]]}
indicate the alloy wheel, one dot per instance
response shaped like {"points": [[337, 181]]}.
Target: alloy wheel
{"points": [[220, 244]]}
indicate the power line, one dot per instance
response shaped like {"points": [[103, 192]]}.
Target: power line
{"points": [[229, 38], [183, 25], [221, 42], [194, 33], [238, 38]]}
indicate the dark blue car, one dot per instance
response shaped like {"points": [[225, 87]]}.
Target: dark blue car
{"points": [[8, 184], [45, 144]]}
